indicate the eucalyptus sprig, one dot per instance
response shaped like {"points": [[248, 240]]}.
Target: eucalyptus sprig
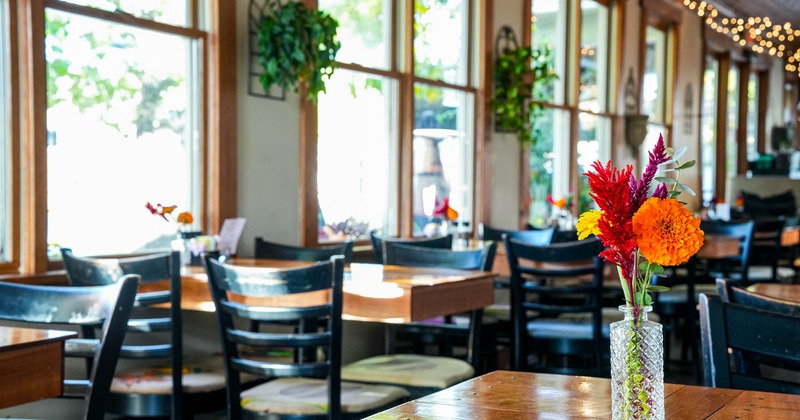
{"points": [[642, 296]]}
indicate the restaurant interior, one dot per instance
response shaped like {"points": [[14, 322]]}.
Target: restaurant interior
{"points": [[399, 209]]}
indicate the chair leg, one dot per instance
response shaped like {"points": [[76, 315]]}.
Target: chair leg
{"points": [[475, 332]]}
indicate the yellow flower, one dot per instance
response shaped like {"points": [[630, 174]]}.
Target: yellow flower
{"points": [[587, 223], [666, 232]]}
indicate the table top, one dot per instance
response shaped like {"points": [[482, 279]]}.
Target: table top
{"points": [[12, 338], [31, 364], [790, 292], [374, 292], [506, 395]]}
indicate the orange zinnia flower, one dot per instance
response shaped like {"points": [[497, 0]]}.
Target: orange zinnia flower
{"points": [[185, 218], [666, 232]]}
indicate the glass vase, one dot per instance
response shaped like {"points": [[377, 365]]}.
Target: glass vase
{"points": [[637, 366]]}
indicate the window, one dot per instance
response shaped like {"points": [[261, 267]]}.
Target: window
{"points": [[552, 171], [708, 129], [731, 143], [362, 134], [5, 145], [752, 117], [118, 114], [123, 129], [655, 85]]}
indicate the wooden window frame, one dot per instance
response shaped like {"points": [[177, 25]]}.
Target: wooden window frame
{"points": [[12, 263], [402, 70], [218, 117]]}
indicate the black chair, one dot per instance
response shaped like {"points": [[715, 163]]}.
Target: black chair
{"points": [[309, 383], [441, 242], [677, 307], [736, 337], [276, 251], [766, 252], [156, 386], [731, 292], [107, 307], [556, 306], [541, 237], [449, 330]]}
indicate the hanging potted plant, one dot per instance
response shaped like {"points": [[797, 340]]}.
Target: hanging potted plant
{"points": [[297, 47], [517, 74]]}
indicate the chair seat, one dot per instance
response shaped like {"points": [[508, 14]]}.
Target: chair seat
{"points": [[761, 273], [310, 396], [677, 294], [576, 325], [199, 377], [409, 370]]}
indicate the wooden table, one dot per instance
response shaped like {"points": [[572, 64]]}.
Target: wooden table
{"points": [[374, 292], [517, 395], [31, 364], [789, 292]]}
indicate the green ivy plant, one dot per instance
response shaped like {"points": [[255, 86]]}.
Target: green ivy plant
{"points": [[297, 47], [518, 76]]}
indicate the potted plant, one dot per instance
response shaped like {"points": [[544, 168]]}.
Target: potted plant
{"points": [[518, 71], [297, 47]]}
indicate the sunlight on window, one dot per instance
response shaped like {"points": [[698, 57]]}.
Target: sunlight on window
{"points": [[440, 42], [5, 223], [708, 124], [122, 131], [364, 31], [174, 12], [443, 153], [356, 138]]}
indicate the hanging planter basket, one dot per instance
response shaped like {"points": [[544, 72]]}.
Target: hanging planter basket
{"points": [[297, 47]]}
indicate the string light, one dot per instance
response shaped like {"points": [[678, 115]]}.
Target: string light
{"points": [[758, 31]]}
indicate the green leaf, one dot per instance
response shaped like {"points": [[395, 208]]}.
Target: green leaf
{"points": [[666, 180], [685, 188], [680, 152], [657, 288], [686, 165], [657, 269]]}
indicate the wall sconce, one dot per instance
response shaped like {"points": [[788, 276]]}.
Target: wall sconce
{"points": [[635, 123]]}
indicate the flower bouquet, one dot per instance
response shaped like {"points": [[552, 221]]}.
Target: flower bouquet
{"points": [[642, 231]]}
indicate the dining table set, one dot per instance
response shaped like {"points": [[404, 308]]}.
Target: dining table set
{"points": [[400, 295]]}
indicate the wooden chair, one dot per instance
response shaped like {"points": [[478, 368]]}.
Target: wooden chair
{"points": [[308, 384], [276, 251], [556, 306], [445, 332], [441, 242], [157, 386], [758, 337], [106, 306]]}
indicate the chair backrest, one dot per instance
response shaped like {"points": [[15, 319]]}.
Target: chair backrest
{"points": [[753, 336], [536, 272], [109, 306], [731, 291], [468, 259], [742, 230], [276, 251], [539, 237], [256, 294], [153, 269], [377, 241], [766, 243]]}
